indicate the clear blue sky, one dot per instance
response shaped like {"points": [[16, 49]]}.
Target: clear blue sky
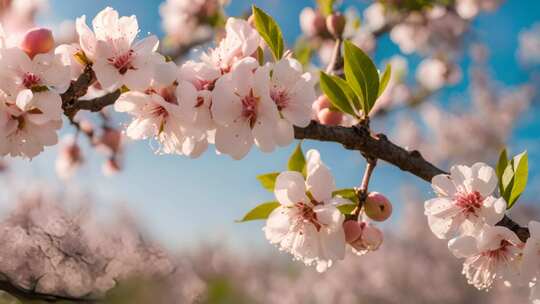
{"points": [[183, 201]]}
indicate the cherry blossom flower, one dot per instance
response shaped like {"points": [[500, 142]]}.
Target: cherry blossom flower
{"points": [[374, 16], [494, 253], [293, 93], [118, 60], [431, 73], [241, 41], [307, 224], [157, 112], [529, 45], [465, 201], [27, 124], [244, 110], [530, 268], [43, 78]]}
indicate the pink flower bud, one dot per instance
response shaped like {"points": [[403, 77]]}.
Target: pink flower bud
{"points": [[372, 238], [362, 236], [322, 102], [377, 207], [329, 117], [353, 230], [37, 41], [335, 24]]}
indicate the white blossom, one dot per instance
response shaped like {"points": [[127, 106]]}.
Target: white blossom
{"points": [[494, 253], [118, 59], [309, 227], [465, 201], [244, 111]]}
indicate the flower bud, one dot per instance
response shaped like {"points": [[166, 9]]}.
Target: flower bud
{"points": [[37, 41], [362, 236], [353, 230], [377, 207], [329, 117], [335, 24], [322, 102]]}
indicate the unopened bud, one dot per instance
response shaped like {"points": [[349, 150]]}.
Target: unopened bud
{"points": [[335, 24], [377, 207], [37, 41]]}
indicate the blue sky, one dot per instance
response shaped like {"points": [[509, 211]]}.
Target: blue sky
{"points": [[183, 202]]}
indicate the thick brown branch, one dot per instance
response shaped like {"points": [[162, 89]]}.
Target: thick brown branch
{"points": [[359, 138]]}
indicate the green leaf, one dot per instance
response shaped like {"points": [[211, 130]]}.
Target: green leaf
{"points": [[501, 166], [260, 56], [260, 212], [326, 6], [362, 75], [347, 193], [297, 161], [269, 31], [338, 97], [303, 51], [268, 181], [507, 181], [347, 208], [521, 174], [385, 78]]}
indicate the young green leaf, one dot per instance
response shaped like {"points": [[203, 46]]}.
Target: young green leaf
{"points": [[269, 31], [362, 75], [260, 212], [347, 208], [347, 193], [297, 161], [521, 169], [385, 78], [268, 181], [501, 166], [260, 56], [338, 97]]}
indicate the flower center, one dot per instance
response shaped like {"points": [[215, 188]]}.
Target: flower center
{"points": [[123, 62], [280, 97], [249, 108], [30, 80], [169, 95], [205, 85], [500, 254], [469, 202], [307, 214]]}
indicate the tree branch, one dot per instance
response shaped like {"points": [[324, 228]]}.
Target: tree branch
{"points": [[379, 147]]}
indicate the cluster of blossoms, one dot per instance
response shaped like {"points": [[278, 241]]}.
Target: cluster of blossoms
{"points": [[308, 224], [225, 98], [466, 212], [30, 102]]}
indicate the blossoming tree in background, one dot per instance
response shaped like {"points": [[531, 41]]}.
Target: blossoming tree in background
{"points": [[247, 91]]}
